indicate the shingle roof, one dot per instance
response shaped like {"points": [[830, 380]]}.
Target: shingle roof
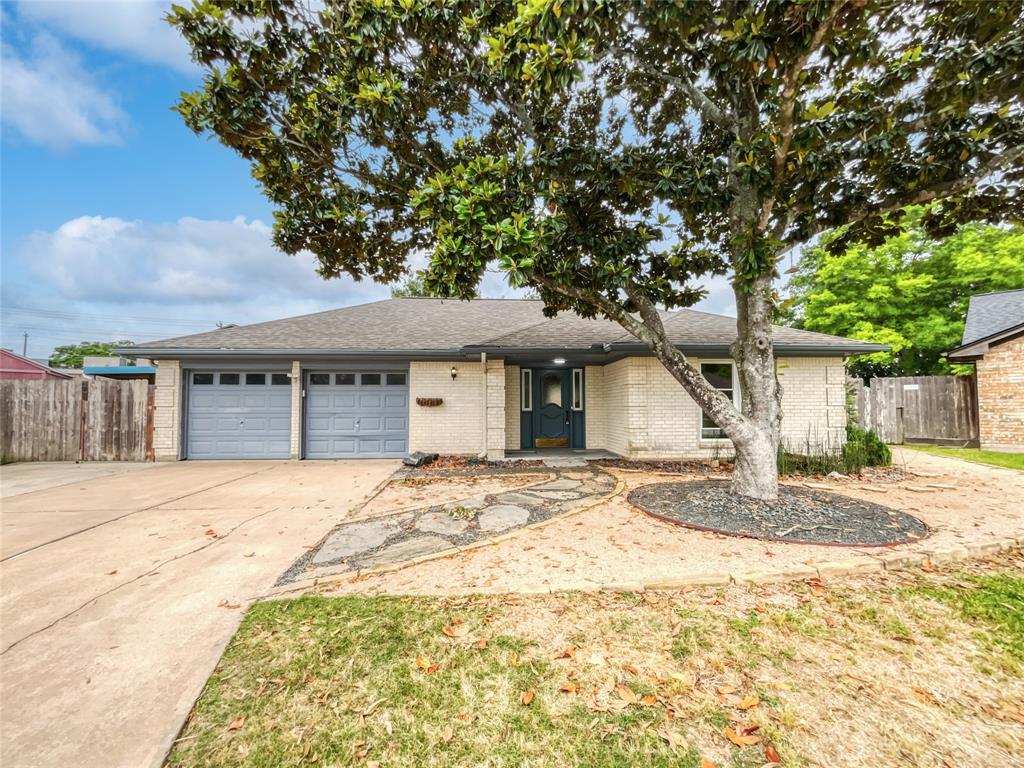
{"points": [[422, 324], [992, 313]]}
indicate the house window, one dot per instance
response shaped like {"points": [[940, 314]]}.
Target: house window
{"points": [[278, 379], [370, 378], [396, 379], [229, 378], [345, 379], [319, 378], [720, 376], [577, 389], [202, 378], [256, 378], [526, 389]]}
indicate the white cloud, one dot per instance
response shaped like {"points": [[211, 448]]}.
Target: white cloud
{"points": [[133, 27], [49, 99]]}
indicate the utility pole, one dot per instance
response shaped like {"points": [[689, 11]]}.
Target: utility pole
{"points": [[24, 346]]}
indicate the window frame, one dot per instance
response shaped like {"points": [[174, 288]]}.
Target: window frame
{"points": [[337, 375], [246, 382], [403, 383], [287, 379], [210, 383], [736, 399], [364, 383], [577, 389], [222, 383], [526, 390]]}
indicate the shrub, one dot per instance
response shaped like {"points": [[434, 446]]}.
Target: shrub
{"points": [[862, 449], [875, 453]]}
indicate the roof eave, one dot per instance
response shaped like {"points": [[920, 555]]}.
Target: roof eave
{"points": [[976, 349]]}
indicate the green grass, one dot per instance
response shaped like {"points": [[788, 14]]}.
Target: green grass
{"points": [[994, 605], [993, 458], [653, 679]]}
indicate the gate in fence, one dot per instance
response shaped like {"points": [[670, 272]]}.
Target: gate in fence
{"points": [[922, 409], [76, 420]]}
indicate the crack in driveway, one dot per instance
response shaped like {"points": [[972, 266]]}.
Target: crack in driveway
{"points": [[134, 579]]}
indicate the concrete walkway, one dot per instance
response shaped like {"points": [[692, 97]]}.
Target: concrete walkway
{"points": [[121, 591]]}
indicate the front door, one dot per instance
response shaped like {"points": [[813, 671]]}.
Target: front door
{"points": [[552, 392]]}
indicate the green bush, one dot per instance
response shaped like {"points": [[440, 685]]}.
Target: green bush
{"points": [[862, 449], [875, 453]]}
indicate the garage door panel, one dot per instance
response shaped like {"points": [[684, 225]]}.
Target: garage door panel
{"points": [[353, 415], [239, 421]]}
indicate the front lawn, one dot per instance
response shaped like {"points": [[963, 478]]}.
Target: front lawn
{"points": [[914, 669], [993, 458]]}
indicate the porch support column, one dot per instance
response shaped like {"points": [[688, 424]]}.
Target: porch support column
{"points": [[495, 409]]}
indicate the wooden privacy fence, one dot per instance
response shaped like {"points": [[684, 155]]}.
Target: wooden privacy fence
{"points": [[76, 420], [922, 409]]}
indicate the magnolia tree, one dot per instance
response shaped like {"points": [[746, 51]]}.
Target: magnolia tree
{"points": [[611, 154]]}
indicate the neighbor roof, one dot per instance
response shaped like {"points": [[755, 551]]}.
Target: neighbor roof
{"points": [[425, 325], [991, 317]]}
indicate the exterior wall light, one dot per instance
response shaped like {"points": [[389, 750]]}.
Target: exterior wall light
{"points": [[454, 373], [559, 361]]}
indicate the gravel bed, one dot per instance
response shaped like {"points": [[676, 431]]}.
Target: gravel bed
{"points": [[799, 515]]}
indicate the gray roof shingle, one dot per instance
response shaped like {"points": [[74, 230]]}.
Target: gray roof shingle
{"points": [[423, 324], [992, 313]]}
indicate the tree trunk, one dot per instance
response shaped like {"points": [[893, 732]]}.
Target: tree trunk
{"points": [[756, 472]]}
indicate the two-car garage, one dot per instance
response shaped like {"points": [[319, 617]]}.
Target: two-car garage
{"points": [[248, 414]]}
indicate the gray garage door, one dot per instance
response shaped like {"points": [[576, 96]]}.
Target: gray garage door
{"points": [[362, 414], [239, 415]]}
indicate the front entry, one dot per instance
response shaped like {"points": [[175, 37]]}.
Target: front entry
{"points": [[552, 426]]}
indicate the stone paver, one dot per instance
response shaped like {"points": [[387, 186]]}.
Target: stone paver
{"points": [[562, 484], [502, 517], [441, 522], [407, 549], [359, 537]]}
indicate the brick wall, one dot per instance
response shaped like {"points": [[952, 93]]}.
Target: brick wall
{"points": [[167, 410], [455, 426], [1001, 396], [647, 414], [594, 406], [513, 405], [496, 421]]}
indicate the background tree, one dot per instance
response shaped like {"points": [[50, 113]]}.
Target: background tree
{"points": [[71, 355], [609, 154], [414, 285], [911, 292]]}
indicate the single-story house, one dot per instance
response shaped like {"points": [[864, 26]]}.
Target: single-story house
{"points": [[17, 367], [478, 377], [994, 341]]}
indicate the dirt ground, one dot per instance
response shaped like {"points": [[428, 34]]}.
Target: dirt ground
{"points": [[423, 490], [615, 544]]}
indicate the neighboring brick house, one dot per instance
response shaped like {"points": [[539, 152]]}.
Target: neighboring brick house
{"points": [[479, 378], [994, 341]]}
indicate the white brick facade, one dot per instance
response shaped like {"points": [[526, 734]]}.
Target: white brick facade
{"points": [[167, 411], [633, 407]]}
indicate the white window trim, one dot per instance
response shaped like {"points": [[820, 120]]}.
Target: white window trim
{"points": [[737, 400], [526, 390], [577, 390]]}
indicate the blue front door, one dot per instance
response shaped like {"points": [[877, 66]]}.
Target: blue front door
{"points": [[552, 393]]}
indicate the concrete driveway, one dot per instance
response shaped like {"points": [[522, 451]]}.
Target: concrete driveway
{"points": [[121, 588]]}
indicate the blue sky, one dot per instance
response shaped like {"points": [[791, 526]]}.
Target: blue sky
{"points": [[116, 221]]}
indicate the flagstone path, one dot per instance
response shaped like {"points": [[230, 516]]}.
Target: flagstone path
{"points": [[411, 534]]}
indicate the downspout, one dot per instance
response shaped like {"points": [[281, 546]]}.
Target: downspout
{"points": [[483, 378]]}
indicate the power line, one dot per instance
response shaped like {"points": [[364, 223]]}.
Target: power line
{"points": [[59, 314]]}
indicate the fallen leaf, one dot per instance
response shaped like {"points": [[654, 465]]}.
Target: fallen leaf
{"points": [[649, 700], [741, 738], [631, 669], [422, 663], [705, 763], [625, 693], [673, 738], [570, 688], [111, 573], [569, 653], [250, 554], [749, 702], [526, 698], [925, 697], [226, 604], [211, 532], [431, 669], [724, 689], [480, 644], [771, 754], [237, 723], [456, 631], [447, 733]]}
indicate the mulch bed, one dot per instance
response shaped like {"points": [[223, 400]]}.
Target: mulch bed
{"points": [[799, 515], [461, 463], [683, 467]]}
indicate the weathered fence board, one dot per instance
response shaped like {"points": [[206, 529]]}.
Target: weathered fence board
{"points": [[77, 420], [936, 409]]}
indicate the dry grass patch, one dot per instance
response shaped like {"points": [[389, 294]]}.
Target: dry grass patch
{"points": [[919, 669]]}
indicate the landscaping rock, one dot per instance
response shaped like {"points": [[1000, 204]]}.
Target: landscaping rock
{"points": [[556, 495], [562, 484], [502, 517], [419, 458], [442, 523]]}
